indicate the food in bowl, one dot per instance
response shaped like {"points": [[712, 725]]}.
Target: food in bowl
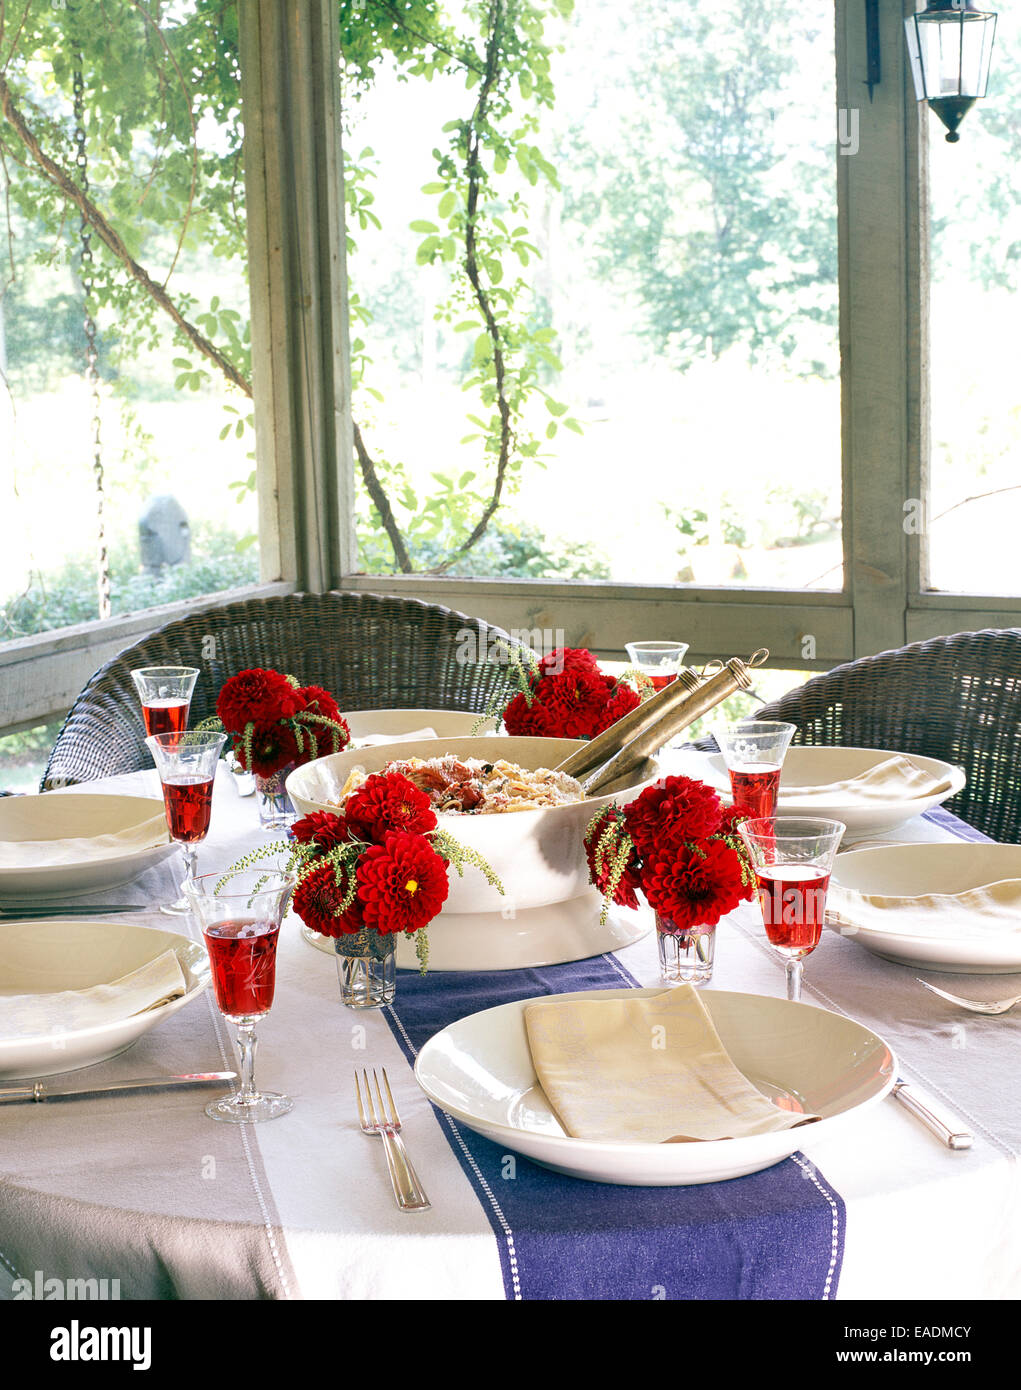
{"points": [[474, 787]]}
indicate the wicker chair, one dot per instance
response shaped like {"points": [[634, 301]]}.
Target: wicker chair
{"points": [[370, 651], [956, 698]]}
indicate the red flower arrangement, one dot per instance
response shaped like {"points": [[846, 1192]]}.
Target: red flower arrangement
{"points": [[565, 695], [274, 722], [379, 865], [678, 846]]}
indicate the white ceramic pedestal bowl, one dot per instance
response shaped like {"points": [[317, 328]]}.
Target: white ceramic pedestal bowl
{"points": [[549, 912]]}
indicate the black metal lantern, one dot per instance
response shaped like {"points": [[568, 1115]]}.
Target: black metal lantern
{"points": [[950, 43]]}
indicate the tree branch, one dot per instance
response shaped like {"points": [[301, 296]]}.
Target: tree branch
{"points": [[475, 176], [113, 242], [382, 503]]}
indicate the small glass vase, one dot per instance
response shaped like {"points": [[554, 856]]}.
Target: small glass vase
{"points": [[276, 809], [366, 968], [686, 955]]}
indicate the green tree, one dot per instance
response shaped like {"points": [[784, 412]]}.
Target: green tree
{"points": [[684, 198]]}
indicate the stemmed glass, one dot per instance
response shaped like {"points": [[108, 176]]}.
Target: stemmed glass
{"points": [[754, 752], [240, 913], [660, 661], [186, 763], [792, 857], [165, 693]]}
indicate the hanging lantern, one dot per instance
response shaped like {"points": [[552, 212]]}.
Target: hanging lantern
{"points": [[950, 43]]}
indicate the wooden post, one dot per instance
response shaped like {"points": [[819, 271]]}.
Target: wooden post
{"points": [[881, 246], [295, 210]]}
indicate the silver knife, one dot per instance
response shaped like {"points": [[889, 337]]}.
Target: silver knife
{"points": [[37, 1090], [942, 1122]]}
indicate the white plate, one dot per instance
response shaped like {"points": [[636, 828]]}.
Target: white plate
{"points": [[52, 956], [480, 1071], [816, 766], [398, 723], [69, 815], [904, 871]]}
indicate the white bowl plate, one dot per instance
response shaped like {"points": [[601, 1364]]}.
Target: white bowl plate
{"points": [[904, 871], [480, 1071], [816, 766], [52, 956], [70, 815]]}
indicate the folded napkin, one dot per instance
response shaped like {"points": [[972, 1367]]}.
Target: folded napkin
{"points": [[371, 740], [80, 849], [896, 779], [990, 911], [650, 1070], [65, 1011]]}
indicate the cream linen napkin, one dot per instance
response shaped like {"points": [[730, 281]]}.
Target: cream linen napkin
{"points": [[990, 911], [372, 740], [28, 854], [65, 1011], [650, 1070], [896, 779]]}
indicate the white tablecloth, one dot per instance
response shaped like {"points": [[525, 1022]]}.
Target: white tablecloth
{"points": [[148, 1191]]}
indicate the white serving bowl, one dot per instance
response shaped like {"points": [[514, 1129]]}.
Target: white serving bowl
{"points": [[480, 1071], [52, 956], [549, 912]]}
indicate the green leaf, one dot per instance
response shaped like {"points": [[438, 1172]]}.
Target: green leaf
{"points": [[447, 203], [424, 227]]}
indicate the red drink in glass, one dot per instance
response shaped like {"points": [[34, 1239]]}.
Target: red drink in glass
{"points": [[660, 682], [189, 802], [243, 957], [793, 902], [756, 786], [165, 716]]}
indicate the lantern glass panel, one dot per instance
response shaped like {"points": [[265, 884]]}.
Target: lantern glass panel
{"points": [[950, 53]]}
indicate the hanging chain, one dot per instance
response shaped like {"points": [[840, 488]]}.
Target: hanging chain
{"points": [[91, 352]]}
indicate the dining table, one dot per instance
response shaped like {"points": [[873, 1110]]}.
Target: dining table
{"points": [[142, 1188]]}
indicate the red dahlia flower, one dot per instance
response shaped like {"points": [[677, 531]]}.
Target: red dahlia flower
{"points": [[568, 659], [388, 802], [402, 883], [697, 886], [257, 697], [621, 702], [323, 829], [670, 812], [317, 901], [528, 720], [273, 747]]}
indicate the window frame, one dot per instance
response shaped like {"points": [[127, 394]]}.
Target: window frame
{"points": [[305, 469]]}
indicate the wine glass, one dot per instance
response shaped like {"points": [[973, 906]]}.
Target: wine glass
{"points": [[659, 661], [792, 857], [754, 752], [186, 763], [165, 693], [240, 913]]}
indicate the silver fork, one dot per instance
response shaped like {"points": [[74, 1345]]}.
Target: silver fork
{"points": [[408, 1191], [997, 1006]]}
